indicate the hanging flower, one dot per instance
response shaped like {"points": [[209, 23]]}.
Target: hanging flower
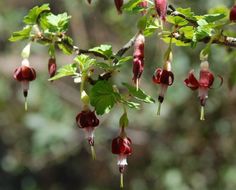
{"points": [[205, 82], [121, 146], [87, 120], [164, 77], [25, 74], [232, 14], [138, 58], [161, 8]]}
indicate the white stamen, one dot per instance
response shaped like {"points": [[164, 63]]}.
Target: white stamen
{"points": [[122, 160]]}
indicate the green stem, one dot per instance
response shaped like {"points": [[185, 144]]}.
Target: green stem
{"points": [[93, 152], [202, 116], [121, 180]]}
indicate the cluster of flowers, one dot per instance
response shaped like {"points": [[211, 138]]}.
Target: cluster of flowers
{"points": [[87, 119]]}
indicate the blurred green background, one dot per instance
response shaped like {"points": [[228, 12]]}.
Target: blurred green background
{"points": [[42, 149]]}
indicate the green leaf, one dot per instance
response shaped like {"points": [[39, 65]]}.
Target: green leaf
{"points": [[175, 41], [103, 97], [34, 13], [177, 20], [186, 12], [213, 17], [142, 23], [139, 94], [130, 104], [151, 26], [66, 45], [188, 31], [85, 62], [55, 23], [103, 49], [67, 70], [21, 35], [132, 6], [121, 61]]}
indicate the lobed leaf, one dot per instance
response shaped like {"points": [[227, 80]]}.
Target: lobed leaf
{"points": [[103, 97], [67, 70], [139, 94]]}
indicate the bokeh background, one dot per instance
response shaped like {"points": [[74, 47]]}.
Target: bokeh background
{"points": [[42, 149]]}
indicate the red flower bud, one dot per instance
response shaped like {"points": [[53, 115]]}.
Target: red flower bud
{"points": [[119, 4], [138, 61], [232, 14], [161, 8], [52, 67]]}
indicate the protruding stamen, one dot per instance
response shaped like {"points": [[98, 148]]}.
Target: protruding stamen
{"points": [[202, 116], [159, 108], [26, 104], [93, 152], [121, 180], [137, 84]]}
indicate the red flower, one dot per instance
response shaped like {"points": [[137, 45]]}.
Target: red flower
{"points": [[87, 120], [138, 60], [25, 74], [161, 8], [232, 14], [121, 146], [206, 80], [165, 78], [119, 4], [52, 67]]}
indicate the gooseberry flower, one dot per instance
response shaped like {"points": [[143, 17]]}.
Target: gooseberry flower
{"points": [[138, 58], [87, 120], [205, 82], [164, 77], [121, 146], [161, 8], [52, 67], [119, 4], [232, 14], [144, 5], [25, 74]]}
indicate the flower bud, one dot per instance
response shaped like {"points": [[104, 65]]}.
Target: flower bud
{"points": [[232, 14], [119, 4], [138, 60], [161, 8], [52, 67]]}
